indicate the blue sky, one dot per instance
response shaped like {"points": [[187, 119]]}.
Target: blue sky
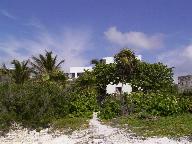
{"points": [[79, 30]]}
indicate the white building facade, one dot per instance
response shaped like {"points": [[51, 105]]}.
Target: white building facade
{"points": [[75, 72], [118, 88]]}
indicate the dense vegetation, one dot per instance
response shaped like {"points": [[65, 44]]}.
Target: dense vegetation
{"points": [[36, 93], [39, 94], [36, 104]]}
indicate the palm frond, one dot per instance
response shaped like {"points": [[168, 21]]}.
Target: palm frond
{"points": [[45, 64]]}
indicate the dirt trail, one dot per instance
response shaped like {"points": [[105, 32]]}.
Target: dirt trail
{"points": [[97, 133]]}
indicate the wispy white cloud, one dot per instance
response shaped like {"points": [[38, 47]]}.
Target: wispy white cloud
{"points": [[180, 59], [134, 39], [34, 22], [70, 44], [7, 14]]}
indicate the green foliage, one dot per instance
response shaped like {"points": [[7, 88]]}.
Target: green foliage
{"points": [[162, 104], [59, 77], [152, 77], [83, 101], [34, 103], [185, 102], [125, 65], [20, 73], [55, 76], [104, 74], [46, 66], [146, 105], [86, 80], [154, 80], [51, 99], [110, 108]]}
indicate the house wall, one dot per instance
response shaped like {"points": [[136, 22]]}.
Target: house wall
{"points": [[108, 60], [77, 70], [139, 57], [111, 89], [185, 83]]}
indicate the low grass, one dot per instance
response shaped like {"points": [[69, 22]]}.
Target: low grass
{"points": [[68, 125], [170, 126]]}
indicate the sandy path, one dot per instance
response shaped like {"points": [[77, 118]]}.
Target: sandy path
{"points": [[97, 133]]}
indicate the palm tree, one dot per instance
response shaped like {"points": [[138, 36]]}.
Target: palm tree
{"points": [[126, 64], [45, 65], [20, 73]]}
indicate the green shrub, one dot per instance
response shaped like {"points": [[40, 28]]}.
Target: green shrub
{"points": [[111, 108], [34, 104], [147, 105], [83, 102], [185, 102], [156, 103]]}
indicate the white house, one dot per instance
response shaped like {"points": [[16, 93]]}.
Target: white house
{"points": [[75, 72], [118, 88]]}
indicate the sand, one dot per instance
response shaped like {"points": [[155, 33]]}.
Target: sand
{"points": [[97, 133]]}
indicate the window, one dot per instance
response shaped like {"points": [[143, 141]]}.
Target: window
{"points": [[118, 90], [72, 75], [79, 74], [103, 61]]}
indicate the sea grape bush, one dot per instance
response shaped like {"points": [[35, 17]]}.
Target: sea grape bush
{"points": [[153, 104], [83, 102], [110, 108], [36, 104]]}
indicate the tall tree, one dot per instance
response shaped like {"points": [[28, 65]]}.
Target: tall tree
{"points": [[20, 73], [45, 66], [104, 75], [126, 63]]}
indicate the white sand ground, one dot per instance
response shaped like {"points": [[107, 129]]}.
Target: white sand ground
{"points": [[97, 133]]}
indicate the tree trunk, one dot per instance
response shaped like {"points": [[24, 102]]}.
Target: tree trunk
{"points": [[122, 102], [101, 96]]}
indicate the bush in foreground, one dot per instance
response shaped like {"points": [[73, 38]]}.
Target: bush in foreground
{"points": [[110, 108], [154, 103], [147, 104], [33, 103], [37, 104]]}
